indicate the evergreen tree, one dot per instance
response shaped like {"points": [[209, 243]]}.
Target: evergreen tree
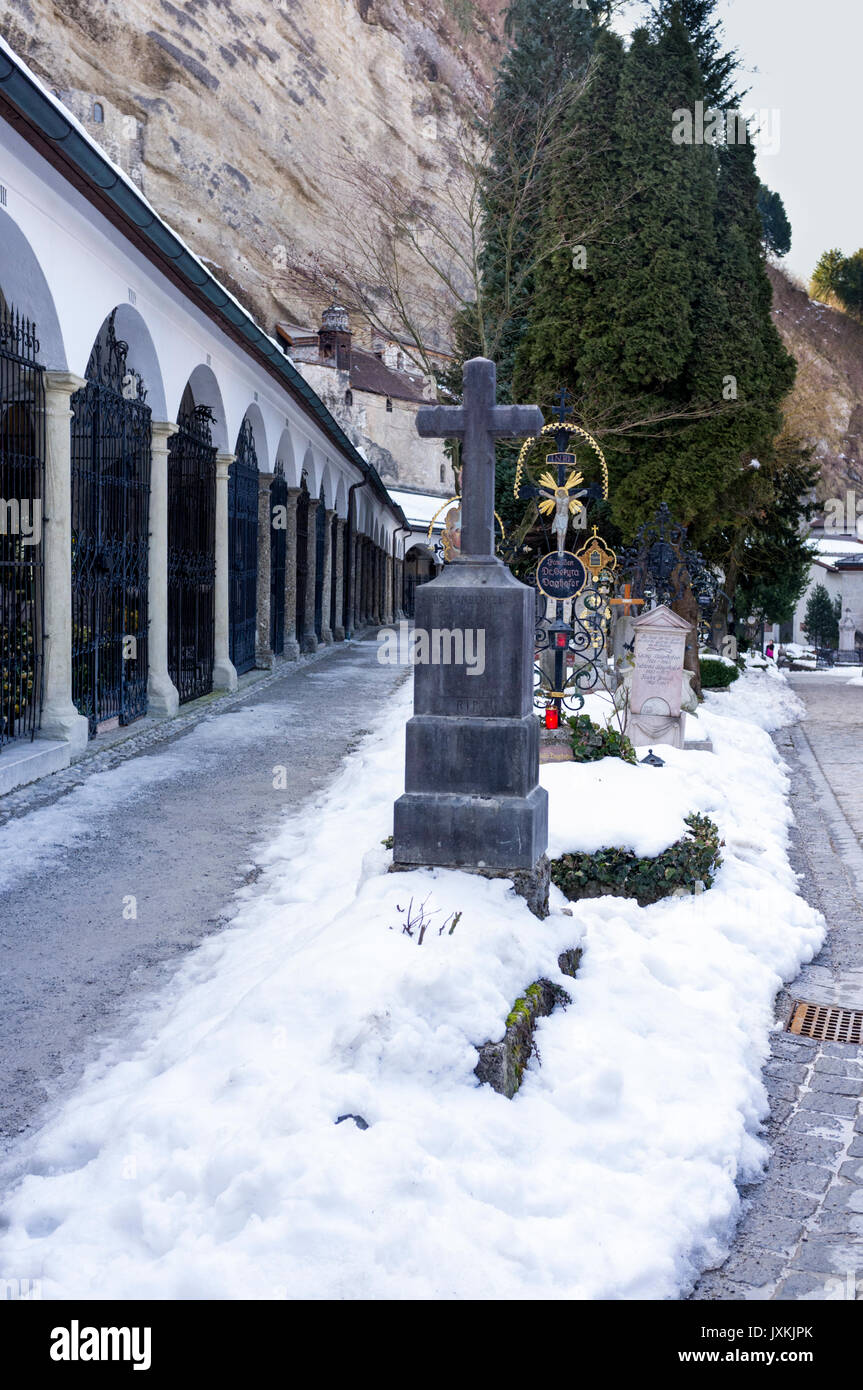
{"points": [[587, 190], [776, 229], [849, 284], [549, 52], [718, 64], [839, 279], [530, 125], [821, 623], [771, 556], [825, 276]]}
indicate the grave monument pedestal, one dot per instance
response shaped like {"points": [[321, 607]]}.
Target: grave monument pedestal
{"points": [[472, 798]]}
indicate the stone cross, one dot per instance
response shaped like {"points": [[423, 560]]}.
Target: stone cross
{"points": [[472, 798], [477, 423]]}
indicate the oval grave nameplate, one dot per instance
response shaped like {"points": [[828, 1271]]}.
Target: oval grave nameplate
{"points": [[561, 576]]}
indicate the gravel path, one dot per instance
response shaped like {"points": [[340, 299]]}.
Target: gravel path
{"points": [[113, 869], [801, 1236]]}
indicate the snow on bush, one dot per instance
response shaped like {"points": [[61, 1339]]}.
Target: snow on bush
{"points": [[201, 1159]]}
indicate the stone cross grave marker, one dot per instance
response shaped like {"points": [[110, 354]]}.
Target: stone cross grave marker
{"points": [[656, 690], [472, 798]]}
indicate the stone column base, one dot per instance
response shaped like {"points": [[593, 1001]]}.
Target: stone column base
{"points": [[64, 722], [454, 830], [163, 697], [326, 636], [224, 675], [310, 644], [292, 649], [265, 660], [338, 634]]}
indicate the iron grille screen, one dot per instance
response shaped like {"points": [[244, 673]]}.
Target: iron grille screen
{"points": [[243, 549], [302, 558], [22, 493], [191, 552], [111, 441], [278, 559], [320, 542]]}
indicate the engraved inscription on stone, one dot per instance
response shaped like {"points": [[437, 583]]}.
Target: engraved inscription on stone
{"points": [[657, 683]]}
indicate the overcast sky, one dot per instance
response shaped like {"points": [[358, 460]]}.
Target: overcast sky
{"points": [[801, 58]]}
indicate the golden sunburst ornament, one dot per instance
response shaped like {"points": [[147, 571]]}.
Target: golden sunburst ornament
{"points": [[538, 444]]}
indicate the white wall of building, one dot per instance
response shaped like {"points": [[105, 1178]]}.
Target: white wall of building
{"points": [[63, 264]]}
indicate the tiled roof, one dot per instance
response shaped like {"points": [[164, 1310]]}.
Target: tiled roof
{"points": [[370, 373]]}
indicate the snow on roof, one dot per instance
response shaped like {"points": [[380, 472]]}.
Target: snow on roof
{"points": [[419, 507], [839, 545]]}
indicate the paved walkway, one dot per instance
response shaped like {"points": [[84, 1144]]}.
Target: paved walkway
{"points": [[801, 1236], [169, 818]]}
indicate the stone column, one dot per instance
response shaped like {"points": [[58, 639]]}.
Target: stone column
{"points": [[264, 658], [388, 591], [163, 698], [224, 672], [353, 570], [378, 613], [363, 607], [326, 630], [310, 640], [292, 646], [400, 590], [339, 629], [60, 718]]}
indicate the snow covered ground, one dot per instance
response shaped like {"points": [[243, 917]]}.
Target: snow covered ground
{"points": [[201, 1159]]}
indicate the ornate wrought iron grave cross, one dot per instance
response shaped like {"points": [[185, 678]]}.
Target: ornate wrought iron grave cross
{"points": [[478, 422]]}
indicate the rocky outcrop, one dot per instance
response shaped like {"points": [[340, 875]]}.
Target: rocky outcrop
{"points": [[230, 113], [826, 407]]}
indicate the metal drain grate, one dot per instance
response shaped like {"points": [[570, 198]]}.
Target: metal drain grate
{"points": [[826, 1022]]}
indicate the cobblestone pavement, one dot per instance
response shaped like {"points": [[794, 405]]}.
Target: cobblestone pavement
{"points": [[173, 811], [801, 1235]]}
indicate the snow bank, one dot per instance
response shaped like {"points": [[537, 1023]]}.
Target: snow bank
{"points": [[761, 697], [201, 1159]]}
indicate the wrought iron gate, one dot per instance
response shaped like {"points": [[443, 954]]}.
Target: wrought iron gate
{"points": [[320, 541], [243, 549], [302, 558], [191, 551], [278, 558], [111, 438], [22, 494]]}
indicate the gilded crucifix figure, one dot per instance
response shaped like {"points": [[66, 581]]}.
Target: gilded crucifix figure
{"points": [[563, 500]]}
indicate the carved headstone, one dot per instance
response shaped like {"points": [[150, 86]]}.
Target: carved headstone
{"points": [[472, 798], [656, 683]]}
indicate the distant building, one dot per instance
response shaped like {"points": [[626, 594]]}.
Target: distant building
{"points": [[374, 395], [838, 565]]}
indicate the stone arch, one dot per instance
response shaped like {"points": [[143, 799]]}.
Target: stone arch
{"points": [[329, 486], [259, 429], [287, 456], [312, 470], [206, 391], [25, 288], [342, 496], [131, 328], [363, 513]]}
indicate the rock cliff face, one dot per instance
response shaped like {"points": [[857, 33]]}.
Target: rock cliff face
{"points": [[229, 113], [826, 408]]}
